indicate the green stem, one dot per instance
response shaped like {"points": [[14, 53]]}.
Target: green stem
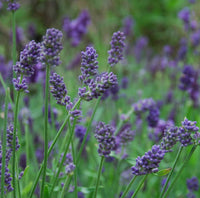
{"points": [[128, 187], [14, 141], [66, 184], [45, 129], [50, 149], [172, 170], [62, 161], [74, 159], [27, 149], [5, 88], [98, 177], [180, 171], [87, 131], [4, 144], [139, 186]]}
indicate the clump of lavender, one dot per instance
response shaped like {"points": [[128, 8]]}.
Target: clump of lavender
{"points": [[128, 26], [13, 5], [188, 132], [95, 85], [170, 138], [80, 132], [68, 163], [89, 65], [29, 57], [9, 148], [192, 185], [158, 132], [58, 89], [117, 47], [126, 134], [143, 105], [51, 47], [149, 162], [153, 116], [105, 136], [77, 28], [10, 139], [187, 78], [20, 85]]}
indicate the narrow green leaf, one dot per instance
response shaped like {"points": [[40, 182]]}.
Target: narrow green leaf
{"points": [[163, 172]]}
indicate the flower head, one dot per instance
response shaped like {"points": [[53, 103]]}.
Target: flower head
{"points": [[104, 135], [117, 47]]}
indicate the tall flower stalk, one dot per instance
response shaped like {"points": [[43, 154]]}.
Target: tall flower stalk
{"points": [[45, 128], [3, 167], [50, 51], [98, 176]]}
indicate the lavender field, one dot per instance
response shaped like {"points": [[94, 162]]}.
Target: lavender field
{"points": [[99, 99]]}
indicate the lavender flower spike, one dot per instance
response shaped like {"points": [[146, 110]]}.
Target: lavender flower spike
{"points": [[51, 47], [117, 47], [186, 131], [104, 135], [13, 5], [149, 162], [58, 88], [89, 64], [29, 58]]}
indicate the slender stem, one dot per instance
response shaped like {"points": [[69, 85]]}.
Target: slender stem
{"points": [[87, 131], [27, 149], [18, 184], [74, 159], [67, 181], [62, 161], [51, 147], [129, 186], [14, 48], [4, 144], [139, 186], [180, 171], [98, 177], [14, 141], [45, 128], [172, 170]]}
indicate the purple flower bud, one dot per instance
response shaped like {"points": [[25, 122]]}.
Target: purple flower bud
{"points": [[117, 47], [104, 135], [193, 184]]}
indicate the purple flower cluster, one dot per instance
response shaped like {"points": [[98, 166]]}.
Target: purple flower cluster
{"points": [[51, 47], [159, 130], [68, 163], [192, 185], [143, 105], [104, 135], [187, 78], [9, 148], [89, 65], [117, 47], [13, 5], [149, 162], [29, 57], [58, 89], [96, 84], [77, 28], [20, 85], [186, 131], [126, 134], [170, 138], [128, 26], [80, 132], [153, 116]]}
